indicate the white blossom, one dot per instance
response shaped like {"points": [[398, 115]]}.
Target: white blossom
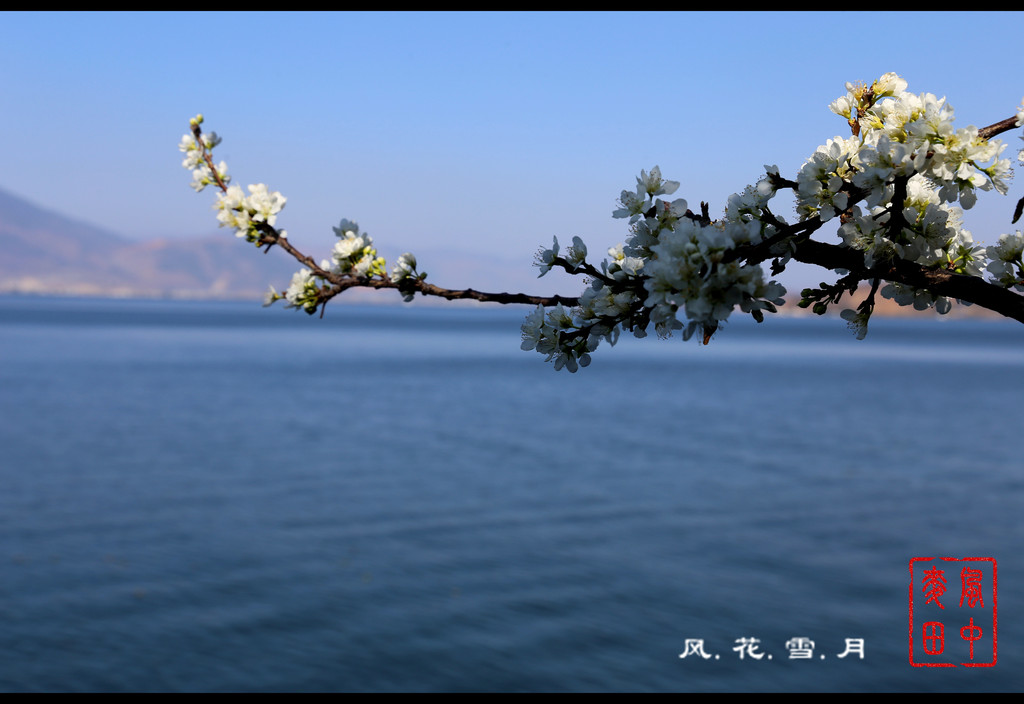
{"points": [[654, 185], [634, 205], [545, 258], [404, 268], [577, 254], [857, 321], [270, 296], [264, 205]]}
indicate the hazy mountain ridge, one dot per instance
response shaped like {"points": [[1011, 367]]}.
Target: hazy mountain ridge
{"points": [[45, 252]]}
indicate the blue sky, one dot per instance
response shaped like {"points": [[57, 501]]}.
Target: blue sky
{"points": [[468, 139]]}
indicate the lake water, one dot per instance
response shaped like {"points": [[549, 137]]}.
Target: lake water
{"points": [[213, 496]]}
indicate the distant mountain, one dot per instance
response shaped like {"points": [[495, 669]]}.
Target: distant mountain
{"points": [[42, 251]]}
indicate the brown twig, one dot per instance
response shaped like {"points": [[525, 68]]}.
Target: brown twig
{"points": [[998, 128]]}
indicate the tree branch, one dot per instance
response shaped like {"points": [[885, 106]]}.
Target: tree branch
{"points": [[998, 128], [343, 283], [358, 266], [972, 289]]}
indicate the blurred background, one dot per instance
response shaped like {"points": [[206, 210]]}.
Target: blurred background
{"points": [[201, 494], [469, 139]]}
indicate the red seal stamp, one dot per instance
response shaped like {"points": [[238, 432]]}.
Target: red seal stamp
{"points": [[953, 616]]}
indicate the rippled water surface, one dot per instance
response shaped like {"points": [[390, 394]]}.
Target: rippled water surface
{"points": [[212, 496]]}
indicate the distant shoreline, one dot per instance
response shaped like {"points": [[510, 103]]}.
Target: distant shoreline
{"points": [[884, 308]]}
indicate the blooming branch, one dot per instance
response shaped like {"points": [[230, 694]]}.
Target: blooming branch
{"points": [[897, 187]]}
